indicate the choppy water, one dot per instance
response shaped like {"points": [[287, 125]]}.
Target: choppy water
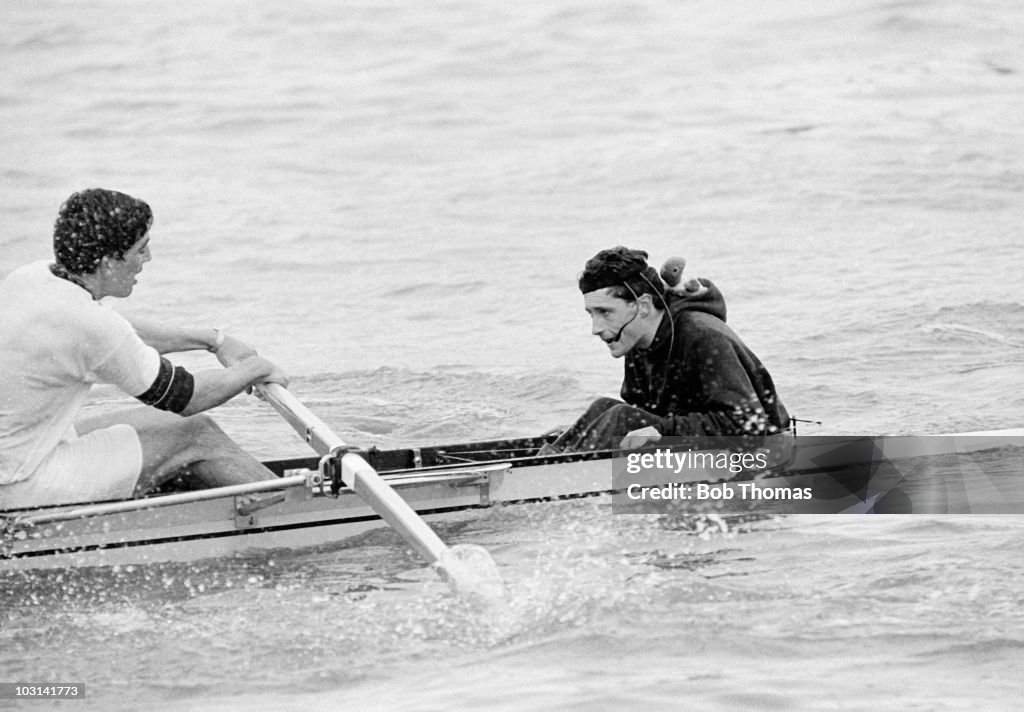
{"points": [[393, 199]]}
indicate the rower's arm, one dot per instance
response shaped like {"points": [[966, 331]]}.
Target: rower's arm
{"points": [[171, 339], [218, 386]]}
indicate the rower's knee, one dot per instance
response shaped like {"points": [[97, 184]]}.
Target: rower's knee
{"points": [[600, 406], [197, 438], [629, 416], [202, 426]]}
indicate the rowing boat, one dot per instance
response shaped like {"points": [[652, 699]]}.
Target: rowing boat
{"points": [[299, 509], [308, 505]]}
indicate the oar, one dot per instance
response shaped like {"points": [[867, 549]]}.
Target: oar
{"points": [[480, 578]]}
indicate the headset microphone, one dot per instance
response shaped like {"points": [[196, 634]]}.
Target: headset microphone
{"points": [[618, 336]]}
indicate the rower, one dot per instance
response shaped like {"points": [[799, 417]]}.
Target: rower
{"points": [[57, 339], [686, 372]]}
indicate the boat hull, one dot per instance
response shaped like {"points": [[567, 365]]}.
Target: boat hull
{"points": [[295, 517], [440, 483]]}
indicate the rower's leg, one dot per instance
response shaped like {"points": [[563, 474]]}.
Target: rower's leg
{"points": [[601, 427], [607, 431], [568, 440], [172, 444]]}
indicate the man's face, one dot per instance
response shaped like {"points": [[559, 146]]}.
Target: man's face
{"points": [[612, 317], [121, 274]]}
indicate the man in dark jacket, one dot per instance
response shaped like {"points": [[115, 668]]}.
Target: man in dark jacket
{"points": [[686, 372]]}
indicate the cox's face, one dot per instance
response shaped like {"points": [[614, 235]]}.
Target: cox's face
{"points": [[612, 317], [122, 274]]}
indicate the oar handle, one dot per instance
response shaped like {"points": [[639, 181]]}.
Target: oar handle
{"points": [[357, 474]]}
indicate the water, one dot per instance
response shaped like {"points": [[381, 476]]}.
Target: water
{"points": [[393, 200]]}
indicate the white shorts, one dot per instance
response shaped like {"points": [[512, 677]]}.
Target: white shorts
{"points": [[102, 464]]}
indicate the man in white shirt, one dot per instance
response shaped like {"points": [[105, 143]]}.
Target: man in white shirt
{"points": [[57, 339]]}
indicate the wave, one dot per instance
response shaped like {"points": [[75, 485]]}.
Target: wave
{"points": [[999, 325], [436, 289], [993, 647]]}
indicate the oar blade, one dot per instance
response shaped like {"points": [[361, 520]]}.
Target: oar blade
{"points": [[472, 573]]}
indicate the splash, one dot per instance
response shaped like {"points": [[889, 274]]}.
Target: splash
{"points": [[472, 573]]}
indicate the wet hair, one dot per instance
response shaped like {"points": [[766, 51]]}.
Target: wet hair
{"points": [[97, 223], [625, 272]]}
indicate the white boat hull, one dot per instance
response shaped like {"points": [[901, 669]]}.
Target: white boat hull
{"points": [[302, 516]]}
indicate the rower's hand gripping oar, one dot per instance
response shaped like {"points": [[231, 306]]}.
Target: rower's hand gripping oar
{"points": [[468, 569]]}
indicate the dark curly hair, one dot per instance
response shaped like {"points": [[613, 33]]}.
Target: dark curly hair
{"points": [[625, 271], [97, 223]]}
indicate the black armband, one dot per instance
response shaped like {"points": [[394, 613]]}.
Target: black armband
{"points": [[172, 390]]}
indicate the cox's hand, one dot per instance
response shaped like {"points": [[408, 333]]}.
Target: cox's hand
{"points": [[638, 438], [234, 350]]}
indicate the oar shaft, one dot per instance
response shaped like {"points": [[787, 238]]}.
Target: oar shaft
{"points": [[357, 474], [315, 432], [364, 480]]}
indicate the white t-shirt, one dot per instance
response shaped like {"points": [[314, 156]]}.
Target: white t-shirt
{"points": [[55, 342]]}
